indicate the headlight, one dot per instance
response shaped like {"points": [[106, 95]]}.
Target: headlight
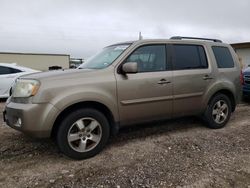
{"points": [[25, 88]]}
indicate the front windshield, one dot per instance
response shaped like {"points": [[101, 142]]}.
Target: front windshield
{"points": [[104, 58]]}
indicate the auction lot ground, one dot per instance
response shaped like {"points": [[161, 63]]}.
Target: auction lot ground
{"points": [[176, 153]]}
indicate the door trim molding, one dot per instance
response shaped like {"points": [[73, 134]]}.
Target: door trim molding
{"points": [[182, 96], [146, 100]]}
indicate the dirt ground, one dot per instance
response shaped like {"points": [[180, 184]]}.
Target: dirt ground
{"points": [[176, 153]]}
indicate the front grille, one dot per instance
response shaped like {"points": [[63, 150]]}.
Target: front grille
{"points": [[247, 79]]}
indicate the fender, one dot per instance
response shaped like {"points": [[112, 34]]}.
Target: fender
{"points": [[62, 102], [216, 87]]}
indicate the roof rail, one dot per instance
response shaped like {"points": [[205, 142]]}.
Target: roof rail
{"points": [[180, 38]]}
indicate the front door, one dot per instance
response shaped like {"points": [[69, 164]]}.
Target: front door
{"points": [[7, 78], [146, 95]]}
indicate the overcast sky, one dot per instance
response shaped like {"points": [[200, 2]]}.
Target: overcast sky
{"points": [[82, 27]]}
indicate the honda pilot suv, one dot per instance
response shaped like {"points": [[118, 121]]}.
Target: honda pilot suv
{"points": [[127, 83]]}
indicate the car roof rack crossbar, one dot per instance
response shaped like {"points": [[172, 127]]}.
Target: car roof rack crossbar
{"points": [[180, 38]]}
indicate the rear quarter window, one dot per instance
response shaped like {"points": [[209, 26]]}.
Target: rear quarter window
{"points": [[8, 70], [223, 57]]}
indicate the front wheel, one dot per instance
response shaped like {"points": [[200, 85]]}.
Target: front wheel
{"points": [[83, 133], [218, 111]]}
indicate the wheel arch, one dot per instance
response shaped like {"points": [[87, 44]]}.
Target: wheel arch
{"points": [[229, 94], [86, 104]]}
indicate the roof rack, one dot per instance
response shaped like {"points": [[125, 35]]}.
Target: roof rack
{"points": [[180, 38]]}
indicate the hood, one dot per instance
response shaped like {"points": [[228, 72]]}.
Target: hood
{"points": [[59, 74], [246, 71]]}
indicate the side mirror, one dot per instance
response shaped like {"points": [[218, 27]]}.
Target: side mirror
{"points": [[130, 68]]}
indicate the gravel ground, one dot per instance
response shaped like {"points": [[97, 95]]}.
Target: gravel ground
{"points": [[176, 153]]}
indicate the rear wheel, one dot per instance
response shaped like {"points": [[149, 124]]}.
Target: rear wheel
{"points": [[218, 111], [83, 133]]}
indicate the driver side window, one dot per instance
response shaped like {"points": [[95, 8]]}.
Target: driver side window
{"points": [[150, 58]]}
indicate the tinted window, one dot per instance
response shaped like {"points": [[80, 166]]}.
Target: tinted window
{"points": [[149, 58], [8, 70], [189, 57], [223, 57]]}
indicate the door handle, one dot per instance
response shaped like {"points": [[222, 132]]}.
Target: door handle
{"points": [[207, 77], [163, 81]]}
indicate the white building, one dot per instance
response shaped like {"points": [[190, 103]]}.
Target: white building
{"points": [[243, 51], [36, 61]]}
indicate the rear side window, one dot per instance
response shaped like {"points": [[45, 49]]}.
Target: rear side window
{"points": [[223, 57], [8, 70], [189, 57]]}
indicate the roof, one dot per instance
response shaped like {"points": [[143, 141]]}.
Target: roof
{"points": [[241, 45], [172, 39]]}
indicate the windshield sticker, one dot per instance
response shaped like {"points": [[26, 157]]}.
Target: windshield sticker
{"points": [[123, 47]]}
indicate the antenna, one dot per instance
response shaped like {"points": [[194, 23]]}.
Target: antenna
{"points": [[140, 36]]}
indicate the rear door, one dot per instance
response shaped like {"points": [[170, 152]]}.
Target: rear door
{"points": [[192, 76], [146, 95]]}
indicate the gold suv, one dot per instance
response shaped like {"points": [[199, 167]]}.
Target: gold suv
{"points": [[124, 84]]}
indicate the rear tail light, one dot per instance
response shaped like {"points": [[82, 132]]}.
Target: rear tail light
{"points": [[241, 78]]}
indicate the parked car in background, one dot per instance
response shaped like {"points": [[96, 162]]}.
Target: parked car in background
{"points": [[9, 72], [127, 83], [246, 82]]}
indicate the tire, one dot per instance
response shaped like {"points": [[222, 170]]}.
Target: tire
{"points": [[83, 133], [218, 111]]}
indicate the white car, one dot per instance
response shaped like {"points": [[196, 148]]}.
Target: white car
{"points": [[8, 74]]}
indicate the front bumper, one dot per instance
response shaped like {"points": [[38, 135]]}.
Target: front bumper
{"points": [[35, 120]]}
